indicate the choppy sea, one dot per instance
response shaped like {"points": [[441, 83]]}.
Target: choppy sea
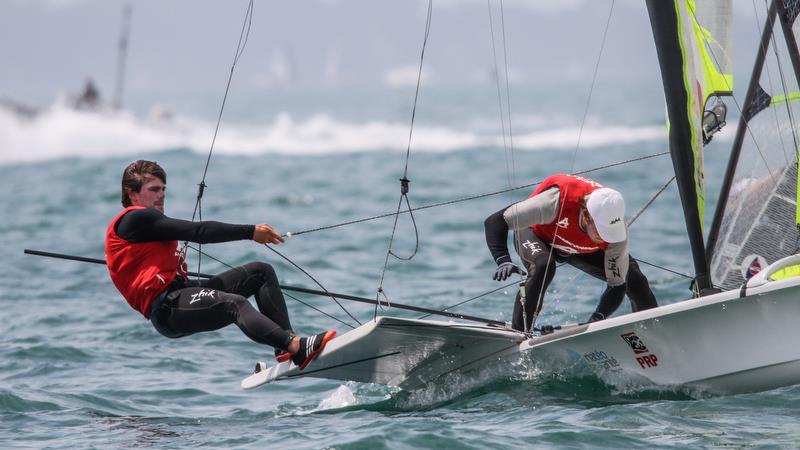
{"points": [[80, 369]]}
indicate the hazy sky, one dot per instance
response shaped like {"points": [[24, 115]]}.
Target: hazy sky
{"points": [[52, 46]]}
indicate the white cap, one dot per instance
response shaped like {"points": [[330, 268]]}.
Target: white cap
{"points": [[607, 209]]}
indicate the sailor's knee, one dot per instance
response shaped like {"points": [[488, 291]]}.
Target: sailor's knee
{"points": [[635, 277], [263, 270], [539, 265]]}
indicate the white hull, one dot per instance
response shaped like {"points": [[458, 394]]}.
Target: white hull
{"points": [[720, 343], [399, 352]]}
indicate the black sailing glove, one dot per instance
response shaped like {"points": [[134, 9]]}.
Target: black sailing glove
{"points": [[505, 270]]}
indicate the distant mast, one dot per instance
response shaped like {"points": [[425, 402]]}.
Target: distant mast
{"points": [[122, 56]]}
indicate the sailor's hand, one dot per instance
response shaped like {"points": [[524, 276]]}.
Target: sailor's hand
{"points": [[505, 270], [265, 234]]}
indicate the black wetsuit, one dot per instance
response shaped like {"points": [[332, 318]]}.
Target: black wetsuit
{"points": [[191, 306], [535, 254]]}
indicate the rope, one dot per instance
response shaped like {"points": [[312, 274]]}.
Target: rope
{"points": [[786, 94], [404, 182], [594, 80], [293, 264], [318, 310], [650, 202], [473, 298], [315, 281], [464, 199], [508, 146], [690, 277], [243, 36]]}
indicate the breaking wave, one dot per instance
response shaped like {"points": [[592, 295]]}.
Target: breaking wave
{"points": [[60, 131]]}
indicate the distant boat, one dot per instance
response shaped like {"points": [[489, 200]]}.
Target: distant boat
{"points": [[90, 98]]}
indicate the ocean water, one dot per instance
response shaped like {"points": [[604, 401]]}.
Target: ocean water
{"points": [[80, 369]]}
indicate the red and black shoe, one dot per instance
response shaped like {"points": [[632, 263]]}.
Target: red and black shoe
{"points": [[310, 347]]}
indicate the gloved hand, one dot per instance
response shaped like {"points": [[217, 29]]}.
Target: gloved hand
{"points": [[505, 270]]}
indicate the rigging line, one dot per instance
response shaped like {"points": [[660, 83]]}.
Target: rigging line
{"points": [[243, 37], [766, 66], [665, 269], [508, 146], [785, 93], [578, 143], [473, 298], [473, 197], [329, 294], [319, 310], [735, 102], [314, 280], [509, 161], [769, 80], [303, 290], [508, 91], [513, 180], [419, 79], [499, 94], [650, 202], [416, 233], [405, 181], [244, 34], [386, 261], [594, 80]]}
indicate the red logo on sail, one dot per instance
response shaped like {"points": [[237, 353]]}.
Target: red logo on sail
{"points": [[753, 269], [751, 265]]}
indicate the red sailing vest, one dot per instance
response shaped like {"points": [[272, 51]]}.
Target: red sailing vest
{"points": [[140, 271], [565, 233]]}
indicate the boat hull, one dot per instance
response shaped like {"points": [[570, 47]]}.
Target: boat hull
{"points": [[399, 352], [722, 343]]}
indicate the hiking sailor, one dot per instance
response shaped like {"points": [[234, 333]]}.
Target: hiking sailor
{"points": [[574, 220], [149, 270]]}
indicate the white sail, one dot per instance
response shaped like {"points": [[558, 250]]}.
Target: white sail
{"points": [[758, 224]]}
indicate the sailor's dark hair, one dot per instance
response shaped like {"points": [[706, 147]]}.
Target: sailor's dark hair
{"points": [[138, 173]]}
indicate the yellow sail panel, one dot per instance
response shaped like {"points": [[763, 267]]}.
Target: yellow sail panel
{"points": [[704, 31], [788, 98]]}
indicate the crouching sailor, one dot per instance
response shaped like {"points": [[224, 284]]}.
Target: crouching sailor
{"points": [[574, 220], [149, 271]]}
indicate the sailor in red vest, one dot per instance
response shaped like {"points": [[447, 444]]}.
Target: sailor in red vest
{"points": [[574, 220], [149, 270]]}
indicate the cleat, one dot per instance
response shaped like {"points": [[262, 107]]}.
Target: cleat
{"points": [[260, 366]]}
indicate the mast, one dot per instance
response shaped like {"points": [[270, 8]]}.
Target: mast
{"points": [[695, 64], [122, 56], [750, 110]]}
